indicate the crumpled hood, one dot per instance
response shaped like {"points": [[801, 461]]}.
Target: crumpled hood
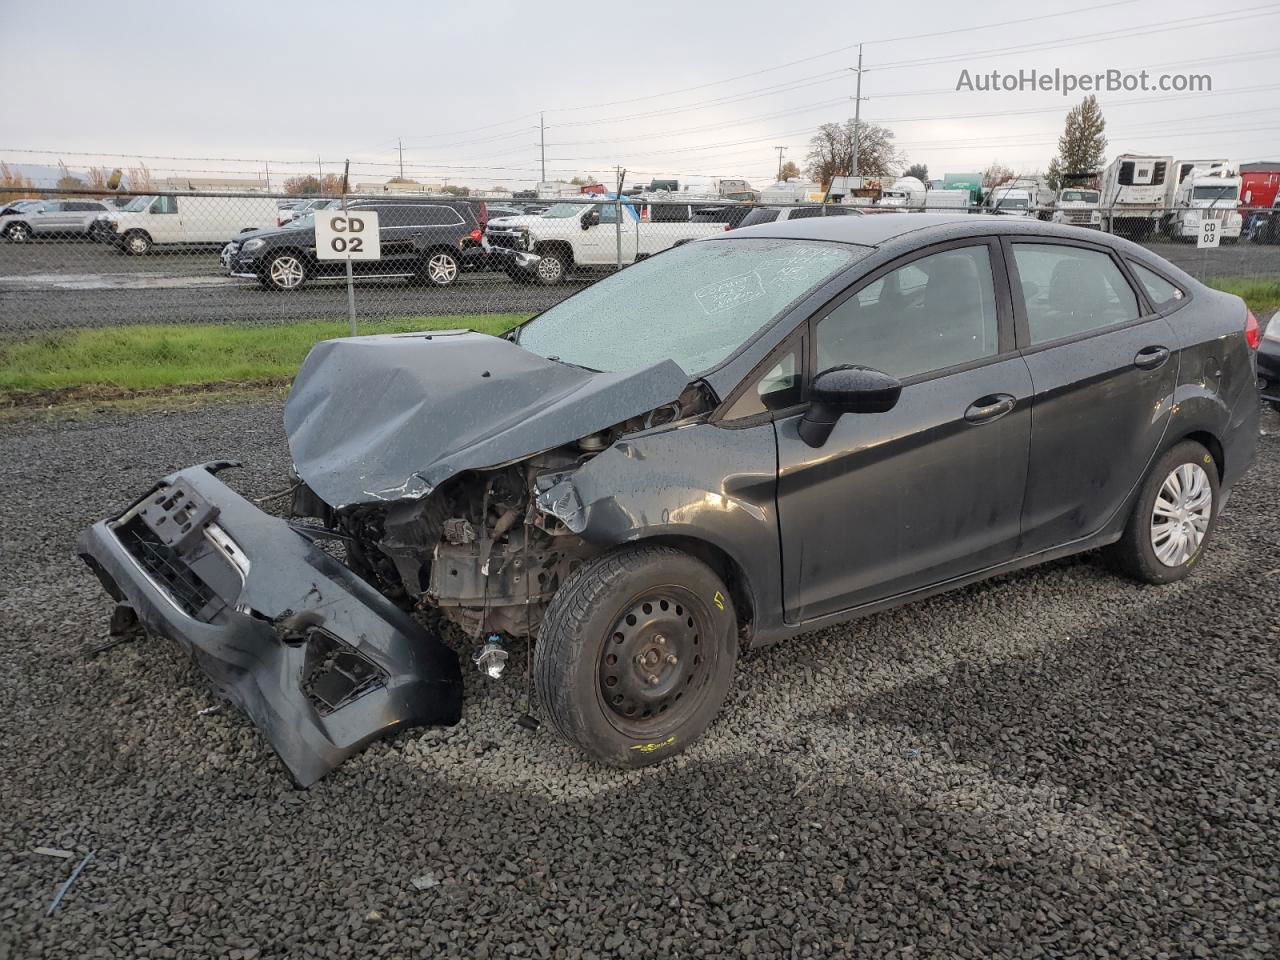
{"points": [[391, 417]]}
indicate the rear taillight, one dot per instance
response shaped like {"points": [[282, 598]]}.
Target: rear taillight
{"points": [[1252, 335], [476, 235]]}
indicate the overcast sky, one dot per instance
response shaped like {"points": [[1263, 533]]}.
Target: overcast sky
{"points": [[659, 87]]}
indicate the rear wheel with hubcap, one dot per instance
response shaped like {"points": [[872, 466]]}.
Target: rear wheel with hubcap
{"points": [[636, 654], [17, 233], [284, 272], [1174, 517]]}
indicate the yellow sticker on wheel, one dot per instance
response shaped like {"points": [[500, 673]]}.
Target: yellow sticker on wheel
{"points": [[718, 600], [651, 747]]}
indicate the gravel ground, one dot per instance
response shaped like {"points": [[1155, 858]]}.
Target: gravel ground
{"points": [[1057, 763]]}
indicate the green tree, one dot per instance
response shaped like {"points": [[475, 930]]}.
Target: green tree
{"points": [[1083, 144], [831, 151], [789, 171]]}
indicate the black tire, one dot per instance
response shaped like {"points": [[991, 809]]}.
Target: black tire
{"points": [[672, 624], [1134, 553], [440, 268], [284, 272], [551, 269], [136, 243], [18, 233]]}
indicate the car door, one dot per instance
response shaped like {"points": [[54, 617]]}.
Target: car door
{"points": [[405, 222], [600, 240], [164, 220], [931, 489], [1103, 366], [53, 219]]}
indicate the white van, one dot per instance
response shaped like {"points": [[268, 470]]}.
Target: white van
{"points": [[146, 222]]}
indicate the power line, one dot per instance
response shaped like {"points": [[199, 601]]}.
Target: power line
{"points": [[829, 53]]}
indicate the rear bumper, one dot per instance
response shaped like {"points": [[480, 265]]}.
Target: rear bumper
{"points": [[1268, 357], [320, 661]]}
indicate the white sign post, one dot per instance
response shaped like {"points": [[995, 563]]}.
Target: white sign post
{"points": [[1208, 236], [348, 235]]}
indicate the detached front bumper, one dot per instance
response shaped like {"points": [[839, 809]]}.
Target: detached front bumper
{"points": [[320, 661], [514, 261]]}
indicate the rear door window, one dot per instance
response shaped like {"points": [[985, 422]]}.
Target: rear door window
{"points": [[762, 215], [1068, 291], [1159, 290]]}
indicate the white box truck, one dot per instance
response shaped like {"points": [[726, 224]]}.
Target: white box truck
{"points": [[1134, 191], [174, 220]]}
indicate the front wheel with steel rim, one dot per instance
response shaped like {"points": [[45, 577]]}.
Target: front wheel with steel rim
{"points": [[1174, 516], [17, 233], [636, 653], [285, 272], [441, 269]]}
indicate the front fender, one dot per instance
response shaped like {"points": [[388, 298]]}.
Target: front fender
{"points": [[714, 484]]}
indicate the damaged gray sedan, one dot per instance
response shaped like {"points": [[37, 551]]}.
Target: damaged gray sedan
{"points": [[730, 443]]}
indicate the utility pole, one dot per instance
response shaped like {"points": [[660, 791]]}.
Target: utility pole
{"points": [[400, 143], [542, 142], [780, 150], [857, 115]]}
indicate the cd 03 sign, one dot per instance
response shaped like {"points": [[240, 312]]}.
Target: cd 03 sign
{"points": [[1209, 235], [347, 235]]}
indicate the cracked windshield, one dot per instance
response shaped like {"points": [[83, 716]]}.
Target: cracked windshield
{"points": [[694, 305]]}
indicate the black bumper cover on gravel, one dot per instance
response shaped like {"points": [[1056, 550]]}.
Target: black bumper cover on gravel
{"points": [[320, 661]]}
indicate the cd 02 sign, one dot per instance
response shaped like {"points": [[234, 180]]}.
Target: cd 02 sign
{"points": [[347, 235]]}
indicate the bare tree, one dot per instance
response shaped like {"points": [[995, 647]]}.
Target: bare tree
{"points": [[332, 183], [16, 186], [831, 151], [140, 178], [996, 174], [920, 171]]}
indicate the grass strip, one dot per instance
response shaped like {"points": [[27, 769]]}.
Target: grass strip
{"points": [[167, 356]]}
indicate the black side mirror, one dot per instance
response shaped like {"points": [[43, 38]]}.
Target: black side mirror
{"points": [[845, 389], [590, 219]]}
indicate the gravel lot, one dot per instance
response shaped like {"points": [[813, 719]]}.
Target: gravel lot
{"points": [[1056, 763], [53, 285]]}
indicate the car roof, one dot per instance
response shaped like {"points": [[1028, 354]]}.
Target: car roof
{"points": [[871, 230], [878, 229]]}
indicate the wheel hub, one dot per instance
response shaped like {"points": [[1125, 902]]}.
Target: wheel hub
{"points": [[1181, 514], [652, 659]]}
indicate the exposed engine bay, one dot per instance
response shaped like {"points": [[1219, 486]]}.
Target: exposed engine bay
{"points": [[488, 548]]}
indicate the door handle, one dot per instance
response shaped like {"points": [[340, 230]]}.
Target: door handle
{"points": [[986, 409], [1149, 358]]}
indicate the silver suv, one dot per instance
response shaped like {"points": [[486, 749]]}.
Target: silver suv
{"points": [[54, 218]]}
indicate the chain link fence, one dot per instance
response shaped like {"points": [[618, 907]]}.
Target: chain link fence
{"points": [[71, 260]]}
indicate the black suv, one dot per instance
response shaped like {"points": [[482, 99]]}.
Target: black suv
{"points": [[422, 240]]}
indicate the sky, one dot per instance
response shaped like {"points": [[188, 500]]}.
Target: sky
{"points": [[685, 90]]}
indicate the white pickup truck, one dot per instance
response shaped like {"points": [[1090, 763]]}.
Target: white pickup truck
{"points": [[574, 235]]}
